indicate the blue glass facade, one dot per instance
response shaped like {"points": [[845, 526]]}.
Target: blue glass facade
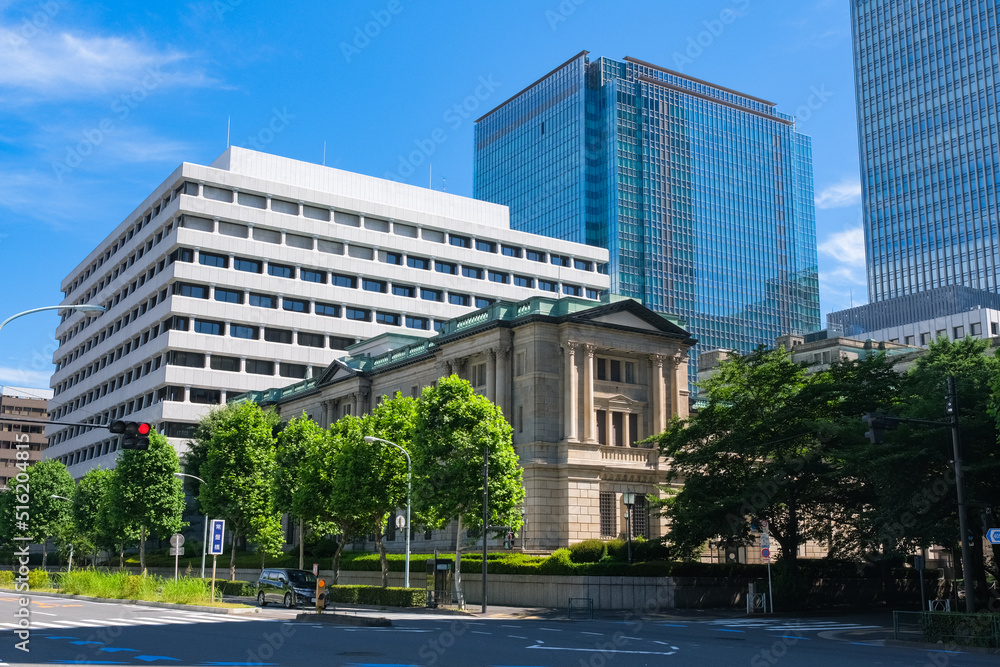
{"points": [[927, 83], [703, 195]]}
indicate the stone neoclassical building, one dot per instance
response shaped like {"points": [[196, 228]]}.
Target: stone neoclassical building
{"points": [[580, 383]]}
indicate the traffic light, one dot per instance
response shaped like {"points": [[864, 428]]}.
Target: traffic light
{"points": [[877, 425], [874, 433], [508, 542], [134, 435]]}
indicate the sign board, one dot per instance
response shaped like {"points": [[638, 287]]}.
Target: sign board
{"points": [[176, 551], [763, 525], [315, 568], [993, 535], [215, 540], [176, 540], [765, 553], [400, 522]]}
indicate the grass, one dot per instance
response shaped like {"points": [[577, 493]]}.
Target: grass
{"points": [[126, 586]]}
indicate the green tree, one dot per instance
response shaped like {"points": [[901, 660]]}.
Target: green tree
{"points": [[372, 476], [292, 444], [324, 496], [926, 495], [91, 515], [453, 429], [48, 516], [144, 496], [238, 468], [755, 452]]}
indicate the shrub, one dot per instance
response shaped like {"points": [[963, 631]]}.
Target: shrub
{"points": [[7, 578], [38, 579], [617, 550], [588, 551], [558, 563], [961, 629], [234, 588], [378, 596]]}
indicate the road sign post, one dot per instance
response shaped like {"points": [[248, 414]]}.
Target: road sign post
{"points": [[176, 549], [215, 548], [765, 554], [993, 535]]}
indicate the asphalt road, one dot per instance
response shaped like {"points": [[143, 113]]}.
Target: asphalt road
{"points": [[69, 631]]}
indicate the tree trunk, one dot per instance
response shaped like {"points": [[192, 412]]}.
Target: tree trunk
{"points": [[336, 556], [142, 549], [45, 552], [302, 544], [383, 561], [232, 556], [458, 564]]}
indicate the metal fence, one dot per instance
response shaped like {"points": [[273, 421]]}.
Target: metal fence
{"points": [[982, 630]]}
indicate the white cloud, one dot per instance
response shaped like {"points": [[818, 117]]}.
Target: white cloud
{"points": [[845, 193], [65, 65], [24, 378], [847, 246]]}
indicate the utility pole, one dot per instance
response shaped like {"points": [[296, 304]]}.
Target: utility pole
{"points": [[486, 512], [968, 575]]}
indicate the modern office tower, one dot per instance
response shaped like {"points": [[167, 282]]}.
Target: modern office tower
{"points": [[21, 438], [258, 270], [702, 194], [927, 82]]}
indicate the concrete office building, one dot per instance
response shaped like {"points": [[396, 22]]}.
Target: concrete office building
{"points": [[256, 270], [702, 194], [580, 382], [21, 403]]}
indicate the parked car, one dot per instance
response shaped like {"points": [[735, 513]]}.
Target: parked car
{"points": [[288, 587]]}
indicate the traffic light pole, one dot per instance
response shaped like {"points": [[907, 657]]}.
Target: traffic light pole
{"points": [[968, 578]]}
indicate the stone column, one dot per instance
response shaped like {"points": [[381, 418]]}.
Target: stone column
{"points": [[626, 441], [679, 384], [570, 390], [355, 403], [324, 414], [588, 394], [503, 380], [491, 374], [656, 393]]}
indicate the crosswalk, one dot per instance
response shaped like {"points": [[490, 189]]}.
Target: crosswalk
{"points": [[785, 625], [142, 618]]}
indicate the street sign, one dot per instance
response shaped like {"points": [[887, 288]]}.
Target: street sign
{"points": [[993, 535], [763, 525], [176, 540], [765, 553], [176, 551], [315, 568], [215, 542], [400, 522]]}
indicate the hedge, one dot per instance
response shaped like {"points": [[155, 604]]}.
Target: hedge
{"points": [[237, 588], [981, 630], [377, 596], [7, 578]]}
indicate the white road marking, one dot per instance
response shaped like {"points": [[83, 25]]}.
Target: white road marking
{"points": [[603, 650]]}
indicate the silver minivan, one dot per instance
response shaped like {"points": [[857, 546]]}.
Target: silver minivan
{"points": [[288, 587]]}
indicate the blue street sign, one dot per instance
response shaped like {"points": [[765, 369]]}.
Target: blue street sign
{"points": [[215, 539], [993, 535]]}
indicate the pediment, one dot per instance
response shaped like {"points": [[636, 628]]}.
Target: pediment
{"points": [[625, 319]]}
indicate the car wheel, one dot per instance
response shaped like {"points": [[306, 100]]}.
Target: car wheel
{"points": [[289, 601], [260, 599]]}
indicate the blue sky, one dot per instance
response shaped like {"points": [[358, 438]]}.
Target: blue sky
{"points": [[100, 101]]}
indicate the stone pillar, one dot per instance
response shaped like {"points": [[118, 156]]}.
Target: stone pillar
{"points": [[656, 393], [679, 383], [324, 414], [355, 403], [626, 436], [503, 380], [588, 394], [491, 374], [570, 391]]}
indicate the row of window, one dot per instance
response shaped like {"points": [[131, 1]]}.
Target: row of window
{"points": [[375, 285]]}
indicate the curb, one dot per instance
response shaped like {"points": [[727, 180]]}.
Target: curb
{"points": [[950, 648], [341, 619], [147, 603]]}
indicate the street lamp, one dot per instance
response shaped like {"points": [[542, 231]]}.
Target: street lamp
{"points": [[204, 539], [409, 480], [70, 568], [629, 499], [84, 308]]}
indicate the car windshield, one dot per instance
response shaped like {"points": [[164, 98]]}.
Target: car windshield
{"points": [[302, 577]]}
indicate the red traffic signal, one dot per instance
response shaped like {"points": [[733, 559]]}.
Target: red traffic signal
{"points": [[134, 435]]}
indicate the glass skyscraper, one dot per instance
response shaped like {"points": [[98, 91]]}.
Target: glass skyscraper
{"points": [[927, 76], [703, 195]]}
